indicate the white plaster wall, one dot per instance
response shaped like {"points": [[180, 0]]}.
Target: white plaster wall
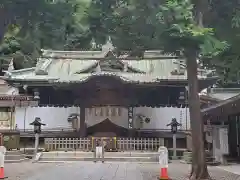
{"points": [[53, 117], [162, 116], [56, 117]]}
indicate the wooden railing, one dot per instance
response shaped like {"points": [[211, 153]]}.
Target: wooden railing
{"points": [[111, 143], [143, 144], [68, 144]]}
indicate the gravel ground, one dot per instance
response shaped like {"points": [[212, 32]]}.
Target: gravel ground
{"points": [[106, 171]]}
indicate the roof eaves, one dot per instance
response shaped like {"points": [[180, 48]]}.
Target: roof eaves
{"points": [[81, 55], [208, 98], [106, 74], [222, 103]]}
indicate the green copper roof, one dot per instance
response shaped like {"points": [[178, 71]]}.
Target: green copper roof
{"points": [[79, 66]]}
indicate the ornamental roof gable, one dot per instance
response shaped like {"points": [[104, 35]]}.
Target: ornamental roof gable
{"points": [[72, 65]]}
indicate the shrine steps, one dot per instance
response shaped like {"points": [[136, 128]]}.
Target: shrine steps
{"points": [[108, 156], [14, 156]]}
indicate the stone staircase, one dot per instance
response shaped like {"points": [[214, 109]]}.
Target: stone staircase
{"points": [[14, 156], [108, 156]]}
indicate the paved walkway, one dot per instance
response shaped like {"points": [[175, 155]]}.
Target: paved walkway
{"points": [[179, 171], [23, 170], [106, 171], [234, 168]]}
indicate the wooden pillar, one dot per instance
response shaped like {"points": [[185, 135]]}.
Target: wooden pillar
{"points": [[82, 129]]}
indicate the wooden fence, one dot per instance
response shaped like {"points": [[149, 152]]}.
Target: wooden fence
{"points": [[111, 144], [68, 144], [143, 144]]}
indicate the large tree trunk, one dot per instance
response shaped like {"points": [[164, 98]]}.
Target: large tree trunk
{"points": [[199, 166]]}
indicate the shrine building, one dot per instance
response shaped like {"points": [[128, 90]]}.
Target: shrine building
{"points": [[97, 93]]}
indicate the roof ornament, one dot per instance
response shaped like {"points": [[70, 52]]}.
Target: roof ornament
{"points": [[98, 68], [11, 66], [94, 44], [108, 46], [214, 86], [204, 92]]}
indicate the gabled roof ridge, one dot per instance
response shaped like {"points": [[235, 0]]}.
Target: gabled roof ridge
{"points": [[81, 55], [225, 90], [221, 103], [161, 52], [57, 51]]}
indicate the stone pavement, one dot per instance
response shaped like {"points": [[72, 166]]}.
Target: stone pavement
{"points": [[179, 171], [20, 171], [106, 171], [234, 168]]}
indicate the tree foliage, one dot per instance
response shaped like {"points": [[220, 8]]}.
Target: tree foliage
{"points": [[205, 30], [132, 24], [223, 16], [31, 26]]}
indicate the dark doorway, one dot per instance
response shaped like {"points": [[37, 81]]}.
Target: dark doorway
{"points": [[234, 136]]}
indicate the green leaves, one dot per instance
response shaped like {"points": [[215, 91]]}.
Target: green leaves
{"points": [[134, 25], [176, 18], [44, 24]]}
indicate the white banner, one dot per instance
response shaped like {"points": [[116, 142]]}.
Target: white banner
{"points": [[163, 157], [3, 150], [99, 152], [2, 155]]}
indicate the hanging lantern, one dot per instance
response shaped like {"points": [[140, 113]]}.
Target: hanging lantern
{"points": [[119, 111], [96, 111], [109, 111], [113, 113], [101, 111], [90, 111]]}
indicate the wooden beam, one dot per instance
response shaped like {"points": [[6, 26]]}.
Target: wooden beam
{"points": [[82, 129]]}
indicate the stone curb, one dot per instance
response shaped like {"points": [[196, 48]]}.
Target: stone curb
{"points": [[16, 161]]}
